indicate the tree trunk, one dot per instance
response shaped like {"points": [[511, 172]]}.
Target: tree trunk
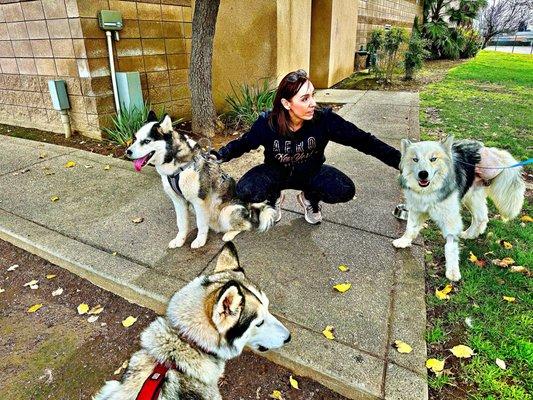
{"points": [[203, 31]]}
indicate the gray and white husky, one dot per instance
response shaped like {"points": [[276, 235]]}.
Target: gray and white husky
{"points": [[192, 179], [207, 322], [437, 176]]}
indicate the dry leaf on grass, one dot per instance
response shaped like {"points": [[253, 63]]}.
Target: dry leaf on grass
{"points": [[435, 365], [526, 218], [92, 318], [96, 310], [509, 299], [506, 244], [129, 321], [342, 287], [119, 369], [328, 332], [501, 363], [13, 267], [472, 257], [402, 347], [50, 276], [83, 308], [462, 351], [31, 283], [34, 308], [293, 382], [57, 292], [2, 290], [443, 293]]}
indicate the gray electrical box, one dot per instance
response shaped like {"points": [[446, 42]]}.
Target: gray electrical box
{"points": [[58, 91], [110, 20], [130, 94]]}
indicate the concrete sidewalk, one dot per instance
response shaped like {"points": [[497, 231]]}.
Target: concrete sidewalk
{"points": [[89, 231]]}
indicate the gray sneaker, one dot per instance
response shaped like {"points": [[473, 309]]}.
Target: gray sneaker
{"points": [[312, 216], [277, 206]]}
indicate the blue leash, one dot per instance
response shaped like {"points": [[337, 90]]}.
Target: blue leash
{"points": [[521, 163]]}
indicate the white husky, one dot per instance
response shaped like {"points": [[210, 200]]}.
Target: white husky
{"points": [[437, 177]]}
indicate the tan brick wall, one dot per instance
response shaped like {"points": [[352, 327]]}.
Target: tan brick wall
{"points": [[60, 39], [377, 13]]}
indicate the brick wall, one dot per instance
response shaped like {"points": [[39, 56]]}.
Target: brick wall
{"points": [[60, 39], [377, 13]]}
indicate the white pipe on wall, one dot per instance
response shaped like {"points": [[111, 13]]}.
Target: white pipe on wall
{"points": [[112, 67]]}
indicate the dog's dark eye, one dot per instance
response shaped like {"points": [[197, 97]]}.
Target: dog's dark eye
{"points": [[433, 159], [415, 159], [145, 141], [260, 323]]}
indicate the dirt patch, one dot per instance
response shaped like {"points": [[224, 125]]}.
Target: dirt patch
{"points": [[55, 353]]}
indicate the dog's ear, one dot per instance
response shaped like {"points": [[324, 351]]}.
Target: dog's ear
{"points": [[228, 260], [447, 143], [228, 307], [166, 124], [151, 116], [404, 144]]}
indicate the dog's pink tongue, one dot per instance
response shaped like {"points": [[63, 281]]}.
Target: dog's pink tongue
{"points": [[138, 163]]}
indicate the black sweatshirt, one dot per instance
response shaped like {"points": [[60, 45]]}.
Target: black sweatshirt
{"points": [[303, 150]]}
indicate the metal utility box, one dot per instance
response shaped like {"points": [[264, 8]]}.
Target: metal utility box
{"points": [[110, 20], [130, 93], [58, 91]]}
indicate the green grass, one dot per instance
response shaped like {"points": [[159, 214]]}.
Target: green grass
{"points": [[490, 99]]}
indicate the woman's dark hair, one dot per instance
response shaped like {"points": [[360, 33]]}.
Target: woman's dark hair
{"points": [[290, 84]]}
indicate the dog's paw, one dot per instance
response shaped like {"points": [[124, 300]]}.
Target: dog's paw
{"points": [[198, 242], [178, 241], [401, 243], [453, 274], [228, 236]]}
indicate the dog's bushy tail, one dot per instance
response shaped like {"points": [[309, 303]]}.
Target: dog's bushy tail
{"points": [[507, 188], [110, 388], [267, 216]]}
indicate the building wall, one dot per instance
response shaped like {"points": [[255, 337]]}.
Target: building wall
{"points": [[377, 13], [60, 39]]}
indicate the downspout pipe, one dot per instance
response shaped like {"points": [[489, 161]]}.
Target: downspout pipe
{"points": [[112, 67]]}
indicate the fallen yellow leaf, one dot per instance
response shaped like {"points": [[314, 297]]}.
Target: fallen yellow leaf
{"points": [[435, 365], [123, 366], [276, 394], [34, 308], [83, 308], [54, 198], [293, 382], [402, 347], [342, 287], [96, 309], [519, 268], [443, 294], [129, 321], [506, 244], [507, 261], [509, 299], [472, 257], [526, 218], [328, 332], [343, 268], [137, 220], [50, 276], [462, 351], [107, 167], [70, 164]]}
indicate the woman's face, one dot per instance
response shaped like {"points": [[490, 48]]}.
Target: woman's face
{"points": [[302, 105]]}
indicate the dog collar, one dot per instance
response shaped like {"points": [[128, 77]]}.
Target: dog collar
{"points": [[196, 346], [152, 385]]}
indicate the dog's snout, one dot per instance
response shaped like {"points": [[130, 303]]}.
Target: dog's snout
{"points": [[129, 152], [288, 339], [423, 174]]}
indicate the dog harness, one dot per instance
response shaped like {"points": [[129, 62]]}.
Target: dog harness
{"points": [[173, 180], [153, 384]]}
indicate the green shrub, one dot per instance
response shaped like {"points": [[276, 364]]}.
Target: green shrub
{"points": [[472, 43], [384, 46], [127, 122], [415, 55], [248, 102]]}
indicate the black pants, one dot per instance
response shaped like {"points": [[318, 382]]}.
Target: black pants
{"points": [[264, 182]]}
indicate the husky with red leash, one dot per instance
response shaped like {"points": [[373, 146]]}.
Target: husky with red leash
{"points": [[208, 322], [437, 177]]}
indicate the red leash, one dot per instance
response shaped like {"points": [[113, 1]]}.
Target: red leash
{"points": [[153, 384]]}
